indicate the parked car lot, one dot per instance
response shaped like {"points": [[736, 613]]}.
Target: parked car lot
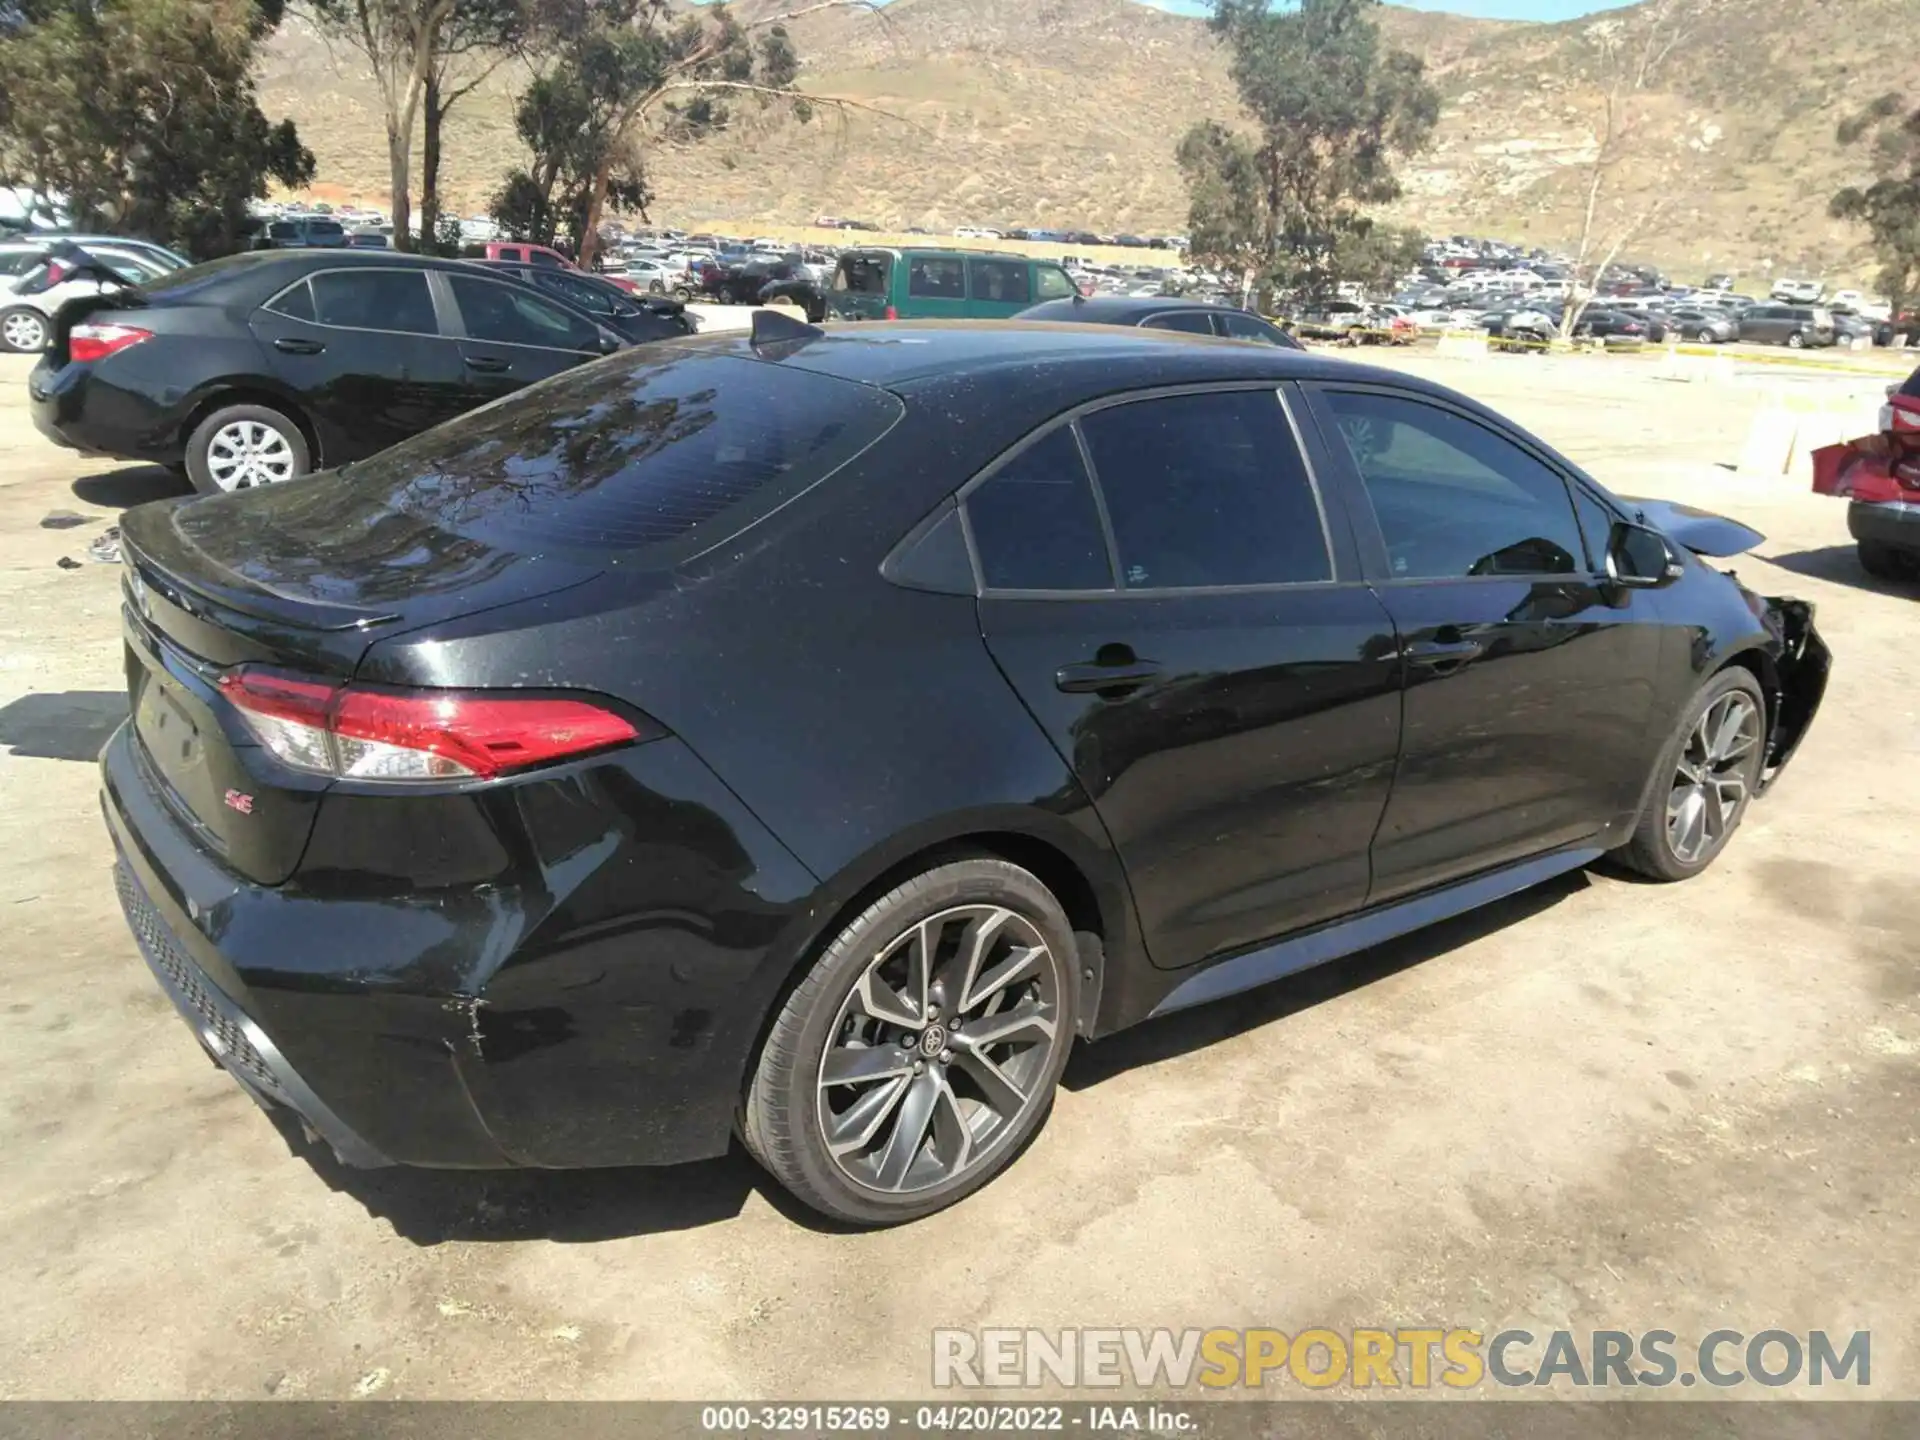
{"points": [[259, 368]]}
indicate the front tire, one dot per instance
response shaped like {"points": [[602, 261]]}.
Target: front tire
{"points": [[920, 1052], [1796, 341], [240, 447], [24, 330], [1703, 781]]}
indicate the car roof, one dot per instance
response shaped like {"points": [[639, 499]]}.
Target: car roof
{"points": [[1117, 309], [904, 355]]}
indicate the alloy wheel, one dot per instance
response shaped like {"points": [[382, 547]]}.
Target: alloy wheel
{"points": [[944, 1042], [1710, 784], [248, 453], [25, 332]]}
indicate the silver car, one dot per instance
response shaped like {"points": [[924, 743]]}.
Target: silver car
{"points": [[32, 295]]}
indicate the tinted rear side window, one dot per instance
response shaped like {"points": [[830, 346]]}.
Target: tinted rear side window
{"points": [[1207, 490], [668, 457], [375, 300], [934, 277], [1192, 322], [1034, 522]]}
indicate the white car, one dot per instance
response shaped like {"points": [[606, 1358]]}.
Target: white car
{"points": [[35, 295], [1798, 292]]}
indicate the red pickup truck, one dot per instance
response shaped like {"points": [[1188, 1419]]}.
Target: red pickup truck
{"points": [[545, 255]]}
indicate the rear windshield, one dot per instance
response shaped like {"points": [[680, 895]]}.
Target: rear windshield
{"points": [[670, 456], [863, 274], [325, 227], [177, 284]]}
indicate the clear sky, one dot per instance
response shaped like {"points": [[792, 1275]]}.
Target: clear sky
{"points": [[1487, 9]]}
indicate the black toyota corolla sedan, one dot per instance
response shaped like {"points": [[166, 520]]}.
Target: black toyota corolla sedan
{"points": [[262, 367], [811, 736]]}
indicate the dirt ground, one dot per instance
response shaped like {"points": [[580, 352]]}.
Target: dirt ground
{"points": [[1599, 1105]]}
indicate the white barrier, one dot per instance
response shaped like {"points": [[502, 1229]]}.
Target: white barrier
{"points": [[1788, 428], [1457, 345]]}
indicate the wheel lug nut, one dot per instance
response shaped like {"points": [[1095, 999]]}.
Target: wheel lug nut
{"points": [[919, 1066], [946, 1057], [933, 1012]]}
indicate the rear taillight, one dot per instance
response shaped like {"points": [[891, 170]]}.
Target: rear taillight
{"points": [[96, 342], [354, 733], [1903, 412]]}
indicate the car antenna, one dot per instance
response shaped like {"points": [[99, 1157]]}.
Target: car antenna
{"points": [[770, 327]]}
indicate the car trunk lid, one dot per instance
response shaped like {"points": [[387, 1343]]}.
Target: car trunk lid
{"points": [[295, 579], [861, 285]]}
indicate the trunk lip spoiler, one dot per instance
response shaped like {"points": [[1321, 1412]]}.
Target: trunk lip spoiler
{"points": [[254, 601]]}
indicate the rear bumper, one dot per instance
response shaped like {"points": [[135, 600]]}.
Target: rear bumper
{"points": [[515, 978], [1890, 522], [228, 1034], [74, 410]]}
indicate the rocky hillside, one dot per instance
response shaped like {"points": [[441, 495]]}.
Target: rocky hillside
{"points": [[1066, 112]]}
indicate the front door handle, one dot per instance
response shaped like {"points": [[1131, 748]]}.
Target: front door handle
{"points": [[486, 364], [295, 346], [1094, 679]]}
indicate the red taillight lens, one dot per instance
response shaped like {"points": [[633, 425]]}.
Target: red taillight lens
{"points": [[414, 735], [893, 313], [96, 342], [1905, 412]]}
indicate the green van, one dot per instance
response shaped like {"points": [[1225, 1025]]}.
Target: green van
{"points": [[886, 284]]}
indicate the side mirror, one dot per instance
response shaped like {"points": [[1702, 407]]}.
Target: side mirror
{"points": [[609, 342], [1641, 558]]}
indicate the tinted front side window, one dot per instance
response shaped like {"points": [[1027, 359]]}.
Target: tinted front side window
{"points": [[578, 293], [1000, 280], [934, 277], [1596, 523], [1034, 522], [374, 300], [553, 262], [665, 455], [509, 315], [1453, 498], [1207, 490], [1238, 326], [1050, 282]]}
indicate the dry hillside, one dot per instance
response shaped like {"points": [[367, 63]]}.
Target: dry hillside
{"points": [[1066, 112]]}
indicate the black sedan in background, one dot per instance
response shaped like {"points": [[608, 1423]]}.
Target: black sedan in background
{"points": [[261, 367], [1162, 312], [699, 744], [638, 318]]}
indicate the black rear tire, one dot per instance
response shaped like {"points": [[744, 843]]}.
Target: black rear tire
{"points": [[781, 1119], [1884, 561], [1650, 850]]}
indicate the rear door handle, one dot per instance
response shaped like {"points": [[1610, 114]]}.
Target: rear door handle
{"points": [[1090, 679], [486, 364], [1442, 653], [298, 347]]}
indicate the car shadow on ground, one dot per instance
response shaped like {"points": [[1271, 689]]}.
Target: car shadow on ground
{"points": [[1841, 565], [1204, 1025], [61, 724], [568, 1207], [128, 486]]}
